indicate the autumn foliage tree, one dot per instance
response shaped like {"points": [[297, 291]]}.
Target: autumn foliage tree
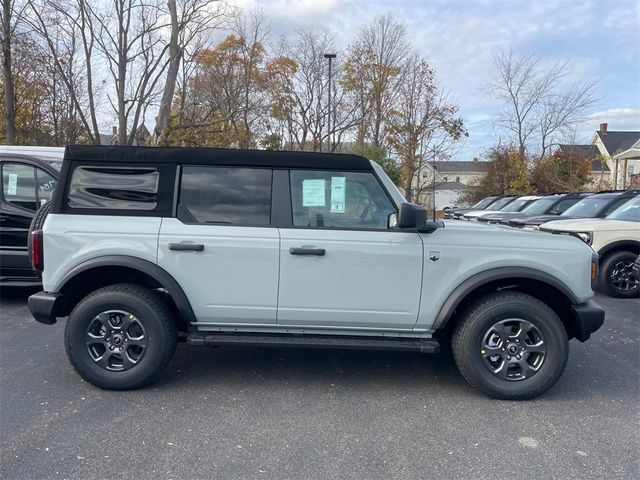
{"points": [[507, 174], [566, 170]]}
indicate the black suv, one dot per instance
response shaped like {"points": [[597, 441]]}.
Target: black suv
{"points": [[27, 182], [598, 205]]}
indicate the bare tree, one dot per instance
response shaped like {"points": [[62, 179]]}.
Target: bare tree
{"points": [[423, 125], [11, 17], [68, 31], [189, 20], [373, 70], [537, 108]]}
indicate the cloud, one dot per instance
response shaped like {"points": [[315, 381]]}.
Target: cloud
{"points": [[617, 118]]}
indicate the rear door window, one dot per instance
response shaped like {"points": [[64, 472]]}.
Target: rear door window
{"points": [[46, 184], [225, 195]]}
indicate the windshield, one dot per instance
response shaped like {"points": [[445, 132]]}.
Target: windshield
{"points": [[501, 203], [628, 211], [516, 205], [538, 207], [484, 203]]}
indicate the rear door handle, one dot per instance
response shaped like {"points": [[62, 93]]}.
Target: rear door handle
{"points": [[307, 251], [196, 247]]}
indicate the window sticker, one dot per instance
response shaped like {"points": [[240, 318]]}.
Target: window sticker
{"points": [[338, 189], [313, 192], [12, 188]]}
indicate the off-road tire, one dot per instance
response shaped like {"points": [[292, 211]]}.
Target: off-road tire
{"points": [[607, 265], [477, 320], [153, 313], [37, 222]]}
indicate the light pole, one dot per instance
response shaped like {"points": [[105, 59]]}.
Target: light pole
{"points": [[332, 125]]}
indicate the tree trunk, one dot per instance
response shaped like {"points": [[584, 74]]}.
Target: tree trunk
{"points": [[175, 56], [9, 91]]}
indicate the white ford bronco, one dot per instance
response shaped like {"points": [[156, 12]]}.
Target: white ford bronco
{"points": [[141, 246]]}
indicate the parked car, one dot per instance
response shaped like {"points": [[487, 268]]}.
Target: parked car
{"points": [[481, 205], [27, 182], [293, 249], [616, 239], [551, 204], [499, 204], [598, 205], [514, 206]]}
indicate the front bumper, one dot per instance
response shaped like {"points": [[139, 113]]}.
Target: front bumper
{"points": [[589, 317], [42, 306]]}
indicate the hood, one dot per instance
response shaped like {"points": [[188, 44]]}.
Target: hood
{"points": [[478, 213], [536, 220], [500, 216], [591, 224]]}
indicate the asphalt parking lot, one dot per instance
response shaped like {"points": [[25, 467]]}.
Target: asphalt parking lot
{"points": [[257, 413]]}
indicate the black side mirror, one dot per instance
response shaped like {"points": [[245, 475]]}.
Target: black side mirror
{"points": [[411, 216]]}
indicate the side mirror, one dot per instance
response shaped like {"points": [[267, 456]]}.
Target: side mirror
{"points": [[411, 216]]}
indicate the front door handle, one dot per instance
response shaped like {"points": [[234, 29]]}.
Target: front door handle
{"points": [[196, 247], [307, 251]]}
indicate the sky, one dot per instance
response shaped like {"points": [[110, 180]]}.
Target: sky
{"points": [[600, 38]]}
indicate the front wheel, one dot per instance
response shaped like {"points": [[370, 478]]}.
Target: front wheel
{"points": [[120, 337], [511, 346], [616, 275]]}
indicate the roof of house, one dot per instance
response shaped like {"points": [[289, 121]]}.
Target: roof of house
{"points": [[445, 186], [590, 152], [457, 166], [617, 141]]}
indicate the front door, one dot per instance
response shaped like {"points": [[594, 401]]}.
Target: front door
{"points": [[341, 266], [24, 188], [221, 249]]}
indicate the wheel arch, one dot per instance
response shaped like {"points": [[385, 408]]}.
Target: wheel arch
{"points": [[111, 269], [536, 283], [620, 245]]}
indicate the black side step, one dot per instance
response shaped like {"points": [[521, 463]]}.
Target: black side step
{"points": [[315, 341]]}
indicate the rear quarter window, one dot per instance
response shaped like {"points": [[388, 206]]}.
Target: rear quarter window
{"points": [[114, 188]]}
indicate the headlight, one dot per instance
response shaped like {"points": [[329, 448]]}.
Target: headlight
{"points": [[585, 236]]}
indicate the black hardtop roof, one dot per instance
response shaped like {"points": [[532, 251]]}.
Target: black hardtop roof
{"points": [[215, 156]]}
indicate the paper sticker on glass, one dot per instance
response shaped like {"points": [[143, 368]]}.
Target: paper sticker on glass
{"points": [[338, 189], [313, 192]]}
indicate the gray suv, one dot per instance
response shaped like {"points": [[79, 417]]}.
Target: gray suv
{"points": [[294, 249]]}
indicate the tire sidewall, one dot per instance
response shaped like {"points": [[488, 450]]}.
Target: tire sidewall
{"points": [[554, 335], [76, 329], [607, 266]]}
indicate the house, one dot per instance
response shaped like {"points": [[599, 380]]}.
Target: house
{"points": [[600, 174], [141, 138], [621, 150], [446, 195], [451, 178]]}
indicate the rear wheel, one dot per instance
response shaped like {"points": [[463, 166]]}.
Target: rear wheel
{"points": [[120, 337], [616, 275], [510, 345]]}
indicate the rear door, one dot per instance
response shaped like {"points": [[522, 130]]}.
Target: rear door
{"points": [[221, 248], [341, 265]]}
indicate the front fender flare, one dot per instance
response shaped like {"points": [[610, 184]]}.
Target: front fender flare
{"points": [[482, 278]]}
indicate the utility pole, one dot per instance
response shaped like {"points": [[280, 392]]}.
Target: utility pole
{"points": [[332, 119]]}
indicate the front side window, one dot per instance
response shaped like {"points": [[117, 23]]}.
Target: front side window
{"points": [[225, 195], [353, 200], [120, 188], [19, 185], [587, 208]]}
